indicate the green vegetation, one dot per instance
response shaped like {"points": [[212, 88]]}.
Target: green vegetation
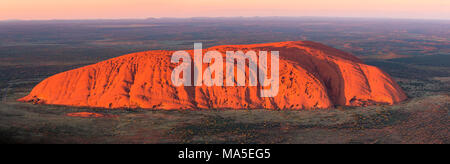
{"points": [[32, 51]]}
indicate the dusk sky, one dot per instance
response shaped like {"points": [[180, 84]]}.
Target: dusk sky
{"points": [[116, 9]]}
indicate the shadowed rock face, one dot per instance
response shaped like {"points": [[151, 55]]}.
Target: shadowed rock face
{"points": [[312, 75]]}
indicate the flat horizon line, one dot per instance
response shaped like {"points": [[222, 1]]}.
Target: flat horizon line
{"points": [[231, 17]]}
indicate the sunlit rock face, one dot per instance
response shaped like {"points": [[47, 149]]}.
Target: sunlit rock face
{"points": [[311, 76]]}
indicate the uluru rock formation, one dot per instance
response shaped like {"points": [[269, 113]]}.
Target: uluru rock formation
{"points": [[312, 76]]}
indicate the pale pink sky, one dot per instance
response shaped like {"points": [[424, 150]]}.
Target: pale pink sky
{"points": [[115, 9]]}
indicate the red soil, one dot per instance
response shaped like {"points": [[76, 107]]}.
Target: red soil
{"points": [[312, 75], [85, 115]]}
